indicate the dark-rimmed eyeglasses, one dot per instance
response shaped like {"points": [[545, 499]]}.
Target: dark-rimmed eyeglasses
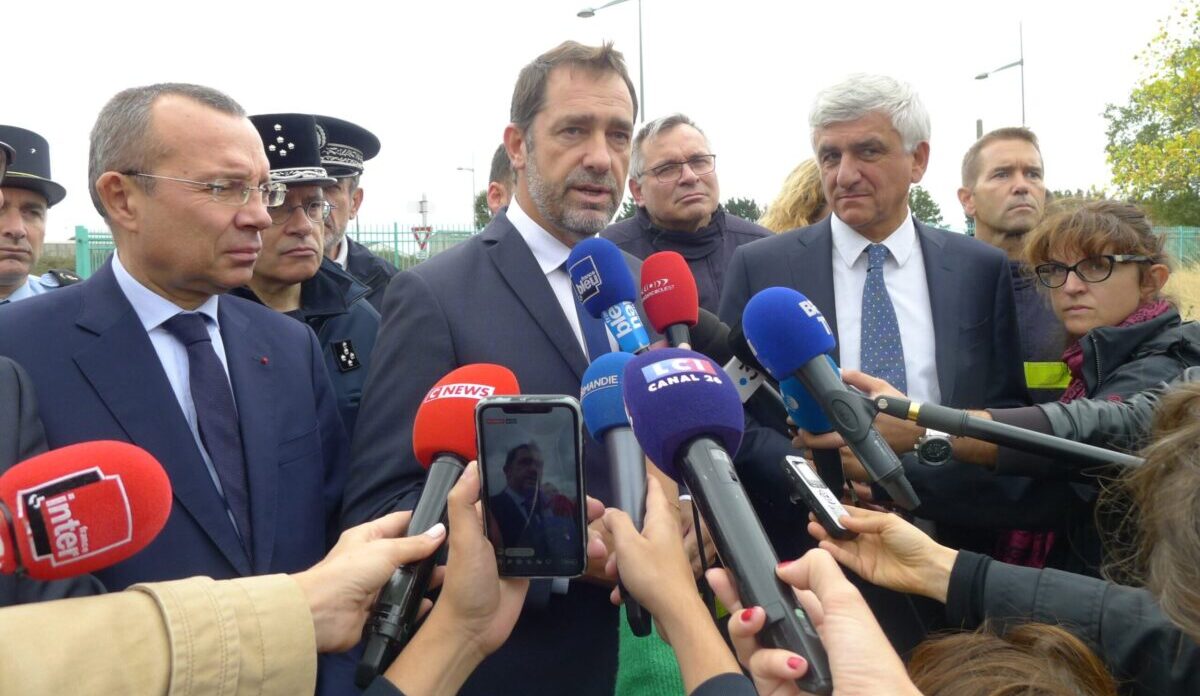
{"points": [[315, 211], [1094, 269], [671, 171], [232, 192]]}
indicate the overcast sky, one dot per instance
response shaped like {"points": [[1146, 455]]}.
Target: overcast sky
{"points": [[434, 80]]}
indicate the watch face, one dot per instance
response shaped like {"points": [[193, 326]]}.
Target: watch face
{"points": [[935, 450]]}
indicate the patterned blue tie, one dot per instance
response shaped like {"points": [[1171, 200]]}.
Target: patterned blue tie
{"points": [[216, 415], [882, 352], [595, 333]]}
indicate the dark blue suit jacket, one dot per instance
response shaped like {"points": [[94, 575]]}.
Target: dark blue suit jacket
{"points": [[485, 300], [97, 377]]}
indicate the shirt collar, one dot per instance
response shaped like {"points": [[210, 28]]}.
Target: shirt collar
{"points": [[850, 244], [154, 309], [23, 291], [343, 252], [549, 252]]}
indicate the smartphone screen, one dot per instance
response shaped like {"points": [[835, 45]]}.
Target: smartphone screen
{"points": [[531, 461]]}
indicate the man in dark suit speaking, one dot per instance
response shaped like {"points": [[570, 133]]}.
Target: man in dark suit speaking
{"points": [[505, 297]]}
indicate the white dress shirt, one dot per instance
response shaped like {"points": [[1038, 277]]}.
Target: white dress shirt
{"points": [[343, 253], [908, 286], [550, 254]]}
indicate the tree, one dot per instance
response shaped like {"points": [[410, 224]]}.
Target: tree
{"points": [[745, 208], [1154, 140], [482, 214], [628, 209], [924, 208], [1092, 194]]}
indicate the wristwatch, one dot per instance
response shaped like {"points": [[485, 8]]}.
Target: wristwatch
{"points": [[933, 448]]}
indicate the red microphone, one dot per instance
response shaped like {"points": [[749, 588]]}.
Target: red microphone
{"points": [[444, 441], [80, 508], [670, 297]]}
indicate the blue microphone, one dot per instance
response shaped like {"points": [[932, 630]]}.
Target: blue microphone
{"points": [[606, 288], [790, 337], [688, 418], [604, 415]]}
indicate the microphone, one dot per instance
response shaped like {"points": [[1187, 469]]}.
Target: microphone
{"points": [[790, 337], [605, 288], [443, 441], [710, 336], [750, 378], [80, 508], [687, 416], [604, 415], [958, 422], [670, 297]]}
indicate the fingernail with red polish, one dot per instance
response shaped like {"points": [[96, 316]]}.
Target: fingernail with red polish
{"points": [[795, 663], [783, 564], [747, 614]]}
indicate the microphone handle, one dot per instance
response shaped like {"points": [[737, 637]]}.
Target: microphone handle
{"points": [[850, 415], [627, 472], [960, 422], [678, 334], [743, 547], [391, 624]]}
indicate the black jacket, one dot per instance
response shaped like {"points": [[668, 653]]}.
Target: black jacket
{"points": [[707, 250], [334, 304], [1124, 625], [370, 270]]}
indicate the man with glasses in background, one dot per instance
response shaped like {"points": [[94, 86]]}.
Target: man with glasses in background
{"points": [[673, 180], [293, 276], [231, 398]]}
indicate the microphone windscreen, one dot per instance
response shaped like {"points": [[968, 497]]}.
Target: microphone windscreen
{"points": [[599, 275], [785, 330], [710, 336], [741, 349], [445, 421], [674, 396], [669, 292], [600, 396], [83, 507]]}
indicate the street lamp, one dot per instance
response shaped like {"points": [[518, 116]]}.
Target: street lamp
{"points": [[591, 12], [471, 218], [1019, 62]]}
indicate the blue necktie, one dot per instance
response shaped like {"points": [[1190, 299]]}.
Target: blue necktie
{"points": [[595, 333], [216, 415], [882, 352]]}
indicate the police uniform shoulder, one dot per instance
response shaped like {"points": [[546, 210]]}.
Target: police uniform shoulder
{"points": [[59, 278]]}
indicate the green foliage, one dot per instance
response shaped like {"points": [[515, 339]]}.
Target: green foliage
{"points": [[628, 209], [1154, 140], [745, 208], [924, 208], [482, 215], [1092, 194]]}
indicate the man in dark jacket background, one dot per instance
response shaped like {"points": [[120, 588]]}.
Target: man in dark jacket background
{"points": [[673, 180]]}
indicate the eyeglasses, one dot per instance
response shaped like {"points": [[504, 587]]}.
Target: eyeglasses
{"points": [[1095, 269], [670, 172], [316, 211], [231, 191]]}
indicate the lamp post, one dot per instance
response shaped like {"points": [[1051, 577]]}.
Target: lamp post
{"points": [[591, 12], [471, 218], [1020, 62]]}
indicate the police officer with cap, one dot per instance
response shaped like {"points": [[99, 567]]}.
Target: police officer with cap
{"points": [[28, 193], [293, 276], [346, 147]]}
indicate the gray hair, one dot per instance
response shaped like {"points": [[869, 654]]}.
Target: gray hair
{"points": [[860, 94], [651, 131], [121, 140]]}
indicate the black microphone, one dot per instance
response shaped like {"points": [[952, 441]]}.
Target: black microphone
{"points": [[688, 418], [789, 336], [760, 397], [958, 422]]}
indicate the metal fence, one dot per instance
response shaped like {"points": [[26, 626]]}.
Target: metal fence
{"points": [[406, 246]]}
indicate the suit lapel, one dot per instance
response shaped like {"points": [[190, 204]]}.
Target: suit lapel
{"points": [[945, 289], [812, 262], [515, 263], [123, 368], [251, 373]]}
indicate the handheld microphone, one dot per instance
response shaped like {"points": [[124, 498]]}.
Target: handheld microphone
{"points": [[958, 422], [710, 336], [790, 337], [80, 508], [687, 416], [604, 415], [755, 391], [670, 296], [443, 441], [606, 290]]}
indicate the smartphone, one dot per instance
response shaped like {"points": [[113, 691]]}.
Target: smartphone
{"points": [[820, 500], [531, 466]]}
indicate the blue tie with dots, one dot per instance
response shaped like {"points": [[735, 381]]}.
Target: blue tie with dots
{"points": [[882, 352]]}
